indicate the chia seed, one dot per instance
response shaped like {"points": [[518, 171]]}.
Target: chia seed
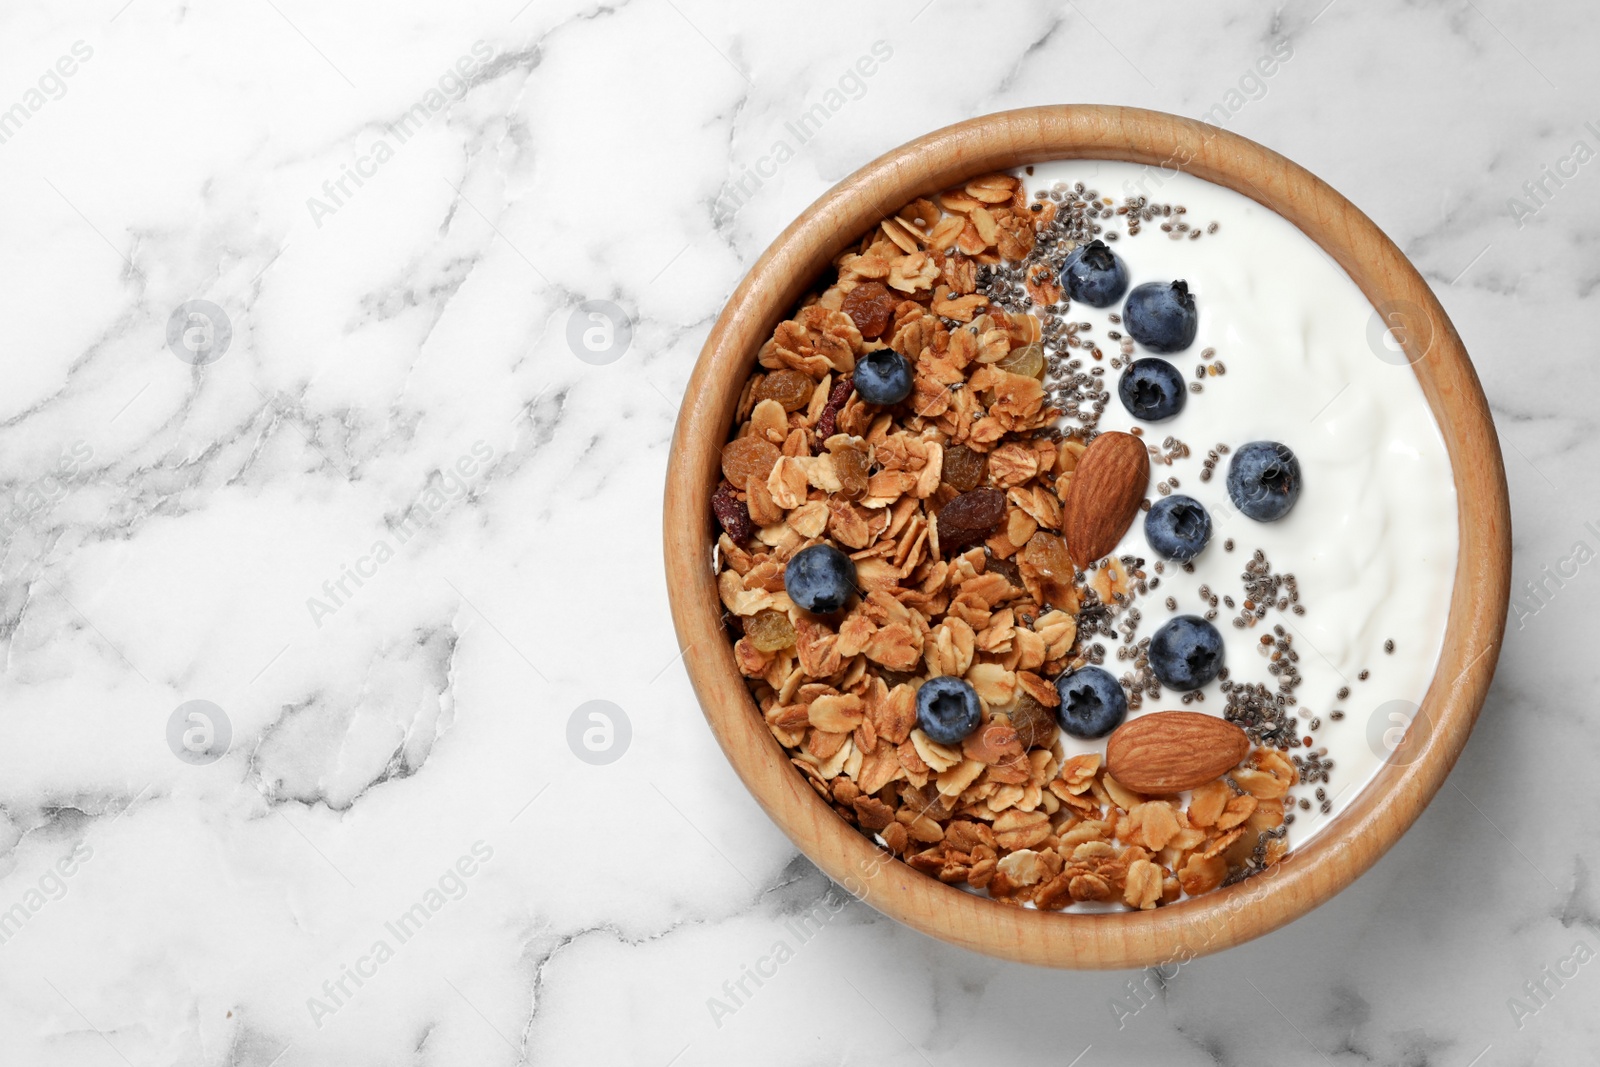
{"points": [[1266, 716], [1265, 590]]}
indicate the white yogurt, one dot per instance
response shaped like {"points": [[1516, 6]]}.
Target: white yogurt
{"points": [[1372, 540]]}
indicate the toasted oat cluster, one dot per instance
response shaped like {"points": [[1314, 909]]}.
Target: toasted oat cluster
{"points": [[950, 504]]}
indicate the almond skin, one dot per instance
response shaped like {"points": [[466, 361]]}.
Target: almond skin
{"points": [[1104, 496], [1171, 751]]}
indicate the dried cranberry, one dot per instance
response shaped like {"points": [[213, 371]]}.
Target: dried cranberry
{"points": [[830, 410], [732, 513]]}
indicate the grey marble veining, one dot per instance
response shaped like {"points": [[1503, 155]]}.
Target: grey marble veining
{"points": [[398, 535]]}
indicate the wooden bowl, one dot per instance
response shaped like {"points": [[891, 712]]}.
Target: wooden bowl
{"points": [[1383, 811]]}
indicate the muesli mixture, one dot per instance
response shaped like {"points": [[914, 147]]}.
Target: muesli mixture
{"points": [[915, 512]]}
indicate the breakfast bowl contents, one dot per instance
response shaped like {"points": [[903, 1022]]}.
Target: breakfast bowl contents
{"points": [[1068, 533], [928, 456]]}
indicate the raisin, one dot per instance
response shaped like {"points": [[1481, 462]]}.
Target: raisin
{"points": [[830, 411], [769, 630], [1006, 569], [1047, 554], [1027, 361], [850, 464], [748, 457], [789, 388], [870, 306], [1035, 724], [964, 469], [970, 517], [732, 513]]}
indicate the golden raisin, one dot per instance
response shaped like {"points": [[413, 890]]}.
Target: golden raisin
{"points": [[769, 630], [1047, 555], [851, 466], [1027, 361], [1047, 562], [1035, 724], [869, 306], [790, 388], [748, 457], [964, 469]]}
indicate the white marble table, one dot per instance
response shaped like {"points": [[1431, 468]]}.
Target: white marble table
{"points": [[371, 507]]}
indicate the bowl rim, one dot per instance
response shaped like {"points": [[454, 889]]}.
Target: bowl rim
{"points": [[1379, 815]]}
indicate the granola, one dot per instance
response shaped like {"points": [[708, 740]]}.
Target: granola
{"points": [[950, 505]]}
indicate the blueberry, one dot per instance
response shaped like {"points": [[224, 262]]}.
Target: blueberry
{"points": [[1177, 527], [1161, 316], [1092, 702], [947, 709], [1186, 653], [1152, 389], [1264, 480], [1095, 275], [883, 377], [820, 579]]}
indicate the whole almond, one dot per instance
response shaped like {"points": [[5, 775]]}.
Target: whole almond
{"points": [[1170, 751], [1104, 496]]}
